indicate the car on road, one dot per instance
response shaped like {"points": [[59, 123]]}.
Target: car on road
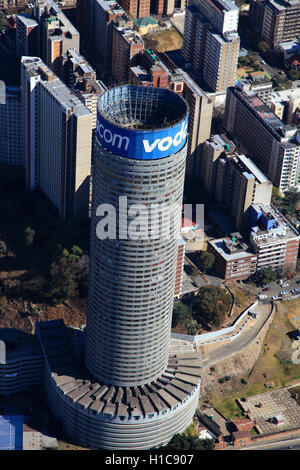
{"points": [[295, 291], [262, 296], [284, 292]]}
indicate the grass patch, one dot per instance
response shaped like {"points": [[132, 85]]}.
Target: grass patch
{"points": [[164, 40]]}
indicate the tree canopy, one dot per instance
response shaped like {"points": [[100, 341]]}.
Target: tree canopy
{"points": [[205, 260], [181, 442], [211, 305]]}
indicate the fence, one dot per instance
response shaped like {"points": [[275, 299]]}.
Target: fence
{"points": [[214, 335]]}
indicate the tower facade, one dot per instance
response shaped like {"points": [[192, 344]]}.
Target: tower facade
{"points": [[132, 276]]}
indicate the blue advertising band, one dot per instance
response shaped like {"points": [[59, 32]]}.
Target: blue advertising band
{"points": [[141, 144]]}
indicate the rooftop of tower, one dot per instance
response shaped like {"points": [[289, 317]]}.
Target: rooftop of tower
{"points": [[138, 107]]}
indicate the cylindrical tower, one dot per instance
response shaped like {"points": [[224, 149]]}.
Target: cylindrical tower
{"points": [[138, 176]]}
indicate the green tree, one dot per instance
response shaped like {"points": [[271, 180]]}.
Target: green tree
{"points": [[267, 275], [66, 273], [290, 201], [263, 47], [211, 305], [205, 260], [181, 442], [181, 312]]}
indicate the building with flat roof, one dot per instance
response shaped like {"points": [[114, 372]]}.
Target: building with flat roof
{"points": [[274, 240], [273, 145], [56, 34], [149, 70], [104, 15], [81, 78], [200, 118], [57, 134], [275, 21], [22, 362], [126, 43], [233, 179], [26, 36], [259, 84], [234, 258], [211, 42]]}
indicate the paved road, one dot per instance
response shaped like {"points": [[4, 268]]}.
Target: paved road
{"points": [[266, 67], [241, 342], [287, 444]]}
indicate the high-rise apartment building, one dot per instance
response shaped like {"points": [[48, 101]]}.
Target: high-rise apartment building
{"points": [[11, 126], [81, 78], [132, 394], [275, 21], [105, 15], [274, 146], [233, 179], [126, 43], [210, 41], [56, 34], [26, 36], [200, 118], [57, 131], [136, 8], [259, 84]]}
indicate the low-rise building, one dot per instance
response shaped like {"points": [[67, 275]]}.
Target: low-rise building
{"points": [[274, 240], [234, 259]]}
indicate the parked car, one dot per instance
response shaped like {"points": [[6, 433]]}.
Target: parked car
{"points": [[276, 297], [262, 296], [284, 292]]}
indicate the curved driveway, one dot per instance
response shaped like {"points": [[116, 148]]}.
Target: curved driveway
{"points": [[223, 351]]}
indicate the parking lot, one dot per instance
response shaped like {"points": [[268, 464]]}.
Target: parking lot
{"points": [[285, 290]]}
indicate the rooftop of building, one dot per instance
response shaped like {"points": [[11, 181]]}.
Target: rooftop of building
{"points": [[27, 20], [249, 169], [267, 116], [286, 95], [138, 107], [281, 229], [67, 99], [219, 141], [233, 248], [129, 34], [281, 5], [52, 13], [139, 22], [19, 344], [224, 5]]}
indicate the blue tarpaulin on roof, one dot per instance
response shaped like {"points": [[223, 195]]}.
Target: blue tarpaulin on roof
{"points": [[11, 432]]}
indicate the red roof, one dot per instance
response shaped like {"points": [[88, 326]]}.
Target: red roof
{"points": [[187, 223]]}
